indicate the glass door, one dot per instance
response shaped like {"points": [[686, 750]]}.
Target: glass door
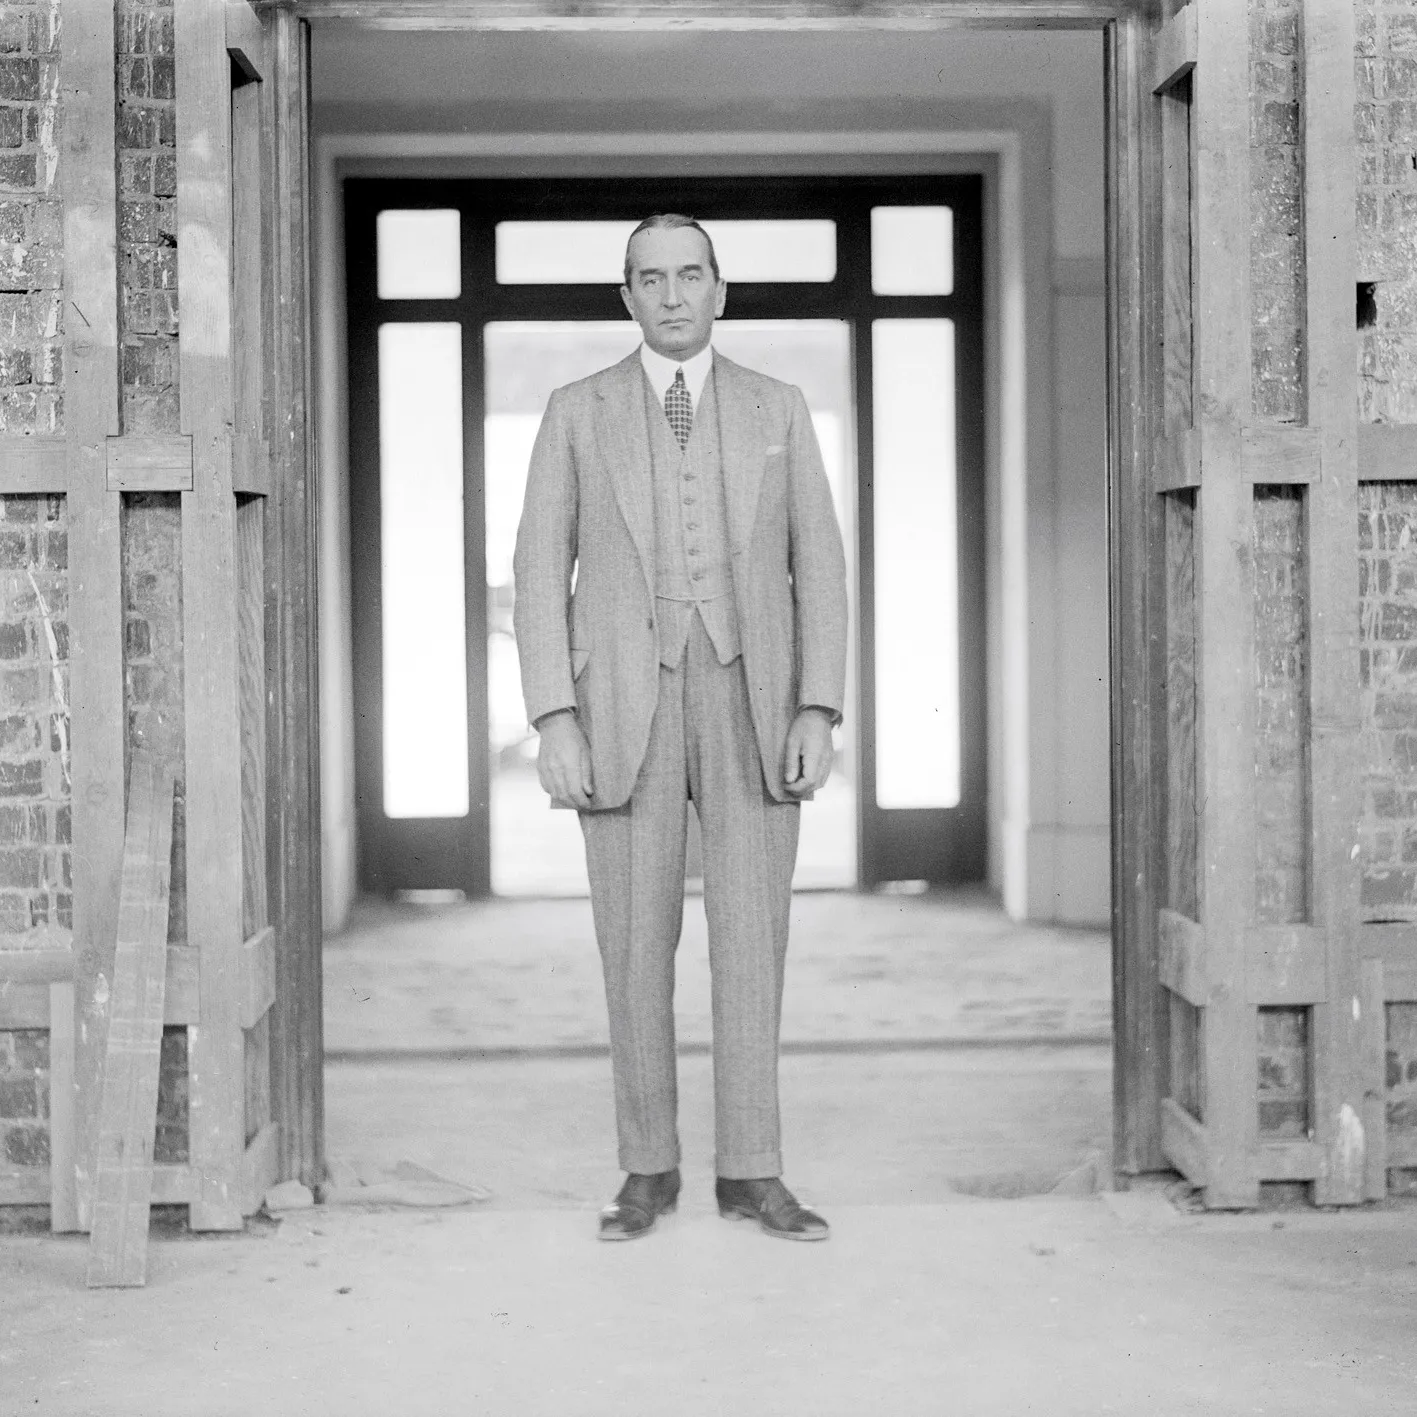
{"points": [[468, 303]]}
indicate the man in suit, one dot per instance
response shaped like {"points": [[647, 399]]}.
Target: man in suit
{"points": [[681, 623]]}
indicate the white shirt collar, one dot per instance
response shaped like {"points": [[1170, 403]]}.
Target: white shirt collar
{"points": [[661, 371]]}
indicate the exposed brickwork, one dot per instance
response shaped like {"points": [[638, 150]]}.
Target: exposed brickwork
{"points": [[35, 818], [152, 661], [1181, 844], [31, 221], [1281, 706], [170, 1144], [1387, 588], [147, 215], [1284, 1087], [1386, 127], [24, 1099], [1402, 1089], [1276, 211]]}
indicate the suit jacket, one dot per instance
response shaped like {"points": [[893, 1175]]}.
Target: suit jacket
{"points": [[585, 565]]}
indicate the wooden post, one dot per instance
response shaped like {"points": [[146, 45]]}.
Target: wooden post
{"points": [[209, 601], [293, 834], [1339, 1025], [1137, 534], [1225, 648], [128, 1111], [87, 173]]}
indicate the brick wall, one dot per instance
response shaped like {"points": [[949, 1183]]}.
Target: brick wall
{"points": [[1276, 214], [147, 215], [1387, 587], [1386, 127], [1281, 706], [35, 887]]}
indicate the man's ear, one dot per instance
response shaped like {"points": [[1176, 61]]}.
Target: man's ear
{"points": [[719, 300], [625, 296]]}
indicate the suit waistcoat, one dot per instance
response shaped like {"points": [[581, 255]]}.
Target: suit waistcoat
{"points": [[693, 564]]}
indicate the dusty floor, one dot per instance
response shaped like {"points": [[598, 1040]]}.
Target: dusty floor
{"points": [[944, 1071], [1059, 1307], [496, 975]]}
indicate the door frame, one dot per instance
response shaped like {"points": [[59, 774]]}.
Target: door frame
{"points": [[1133, 292], [945, 845]]}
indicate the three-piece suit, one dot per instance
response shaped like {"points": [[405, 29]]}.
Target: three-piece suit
{"points": [[686, 601]]}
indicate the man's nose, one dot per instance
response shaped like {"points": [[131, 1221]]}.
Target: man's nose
{"points": [[672, 293]]}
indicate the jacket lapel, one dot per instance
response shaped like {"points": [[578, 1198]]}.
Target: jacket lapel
{"points": [[741, 447], [622, 435]]}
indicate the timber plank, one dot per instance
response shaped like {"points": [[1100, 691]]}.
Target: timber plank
{"points": [[260, 1167], [1281, 455], [1288, 1161], [1374, 1021], [292, 601], [1387, 452], [1138, 604], [1225, 651], [63, 1195], [1330, 369], [32, 1186], [1185, 1142], [245, 40], [1175, 49], [33, 464], [87, 168], [118, 1245], [37, 966], [251, 689], [1285, 964], [1182, 960], [1178, 461], [150, 462], [251, 466], [1177, 257], [209, 608], [258, 974]]}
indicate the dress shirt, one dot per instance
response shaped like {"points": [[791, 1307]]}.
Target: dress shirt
{"points": [[660, 371]]}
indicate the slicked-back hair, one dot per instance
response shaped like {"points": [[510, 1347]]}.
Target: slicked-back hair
{"points": [[670, 221]]}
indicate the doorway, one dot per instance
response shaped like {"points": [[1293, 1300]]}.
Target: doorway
{"points": [[468, 302]]}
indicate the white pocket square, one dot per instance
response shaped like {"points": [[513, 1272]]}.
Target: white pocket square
{"points": [[775, 448]]}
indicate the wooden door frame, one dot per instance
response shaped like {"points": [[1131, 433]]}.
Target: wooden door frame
{"points": [[1137, 733]]}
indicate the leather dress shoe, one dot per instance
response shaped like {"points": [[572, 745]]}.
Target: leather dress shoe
{"points": [[777, 1211], [642, 1200]]}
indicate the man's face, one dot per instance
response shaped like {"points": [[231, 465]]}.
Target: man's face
{"points": [[672, 293]]}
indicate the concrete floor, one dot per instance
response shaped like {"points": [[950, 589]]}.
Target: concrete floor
{"points": [[945, 1073], [1058, 1307]]}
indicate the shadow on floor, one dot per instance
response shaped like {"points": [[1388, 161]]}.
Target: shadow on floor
{"points": [[932, 1049]]}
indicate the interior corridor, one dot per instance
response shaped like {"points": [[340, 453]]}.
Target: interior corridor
{"points": [[932, 1048]]}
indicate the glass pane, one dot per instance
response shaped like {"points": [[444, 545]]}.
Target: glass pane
{"points": [[421, 530], [420, 255], [912, 250], [916, 577], [593, 252], [537, 851]]}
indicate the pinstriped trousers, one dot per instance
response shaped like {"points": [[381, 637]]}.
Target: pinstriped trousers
{"points": [[702, 748]]}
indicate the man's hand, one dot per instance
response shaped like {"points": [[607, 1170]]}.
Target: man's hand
{"points": [[807, 762], [563, 761]]}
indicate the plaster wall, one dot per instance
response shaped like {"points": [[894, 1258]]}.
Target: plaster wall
{"points": [[624, 97]]}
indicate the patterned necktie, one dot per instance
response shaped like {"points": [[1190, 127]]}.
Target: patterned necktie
{"points": [[679, 408]]}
